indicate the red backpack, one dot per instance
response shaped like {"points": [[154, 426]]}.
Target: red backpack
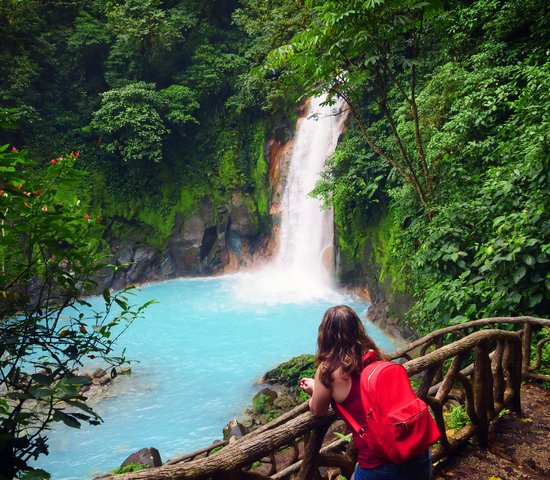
{"points": [[398, 424]]}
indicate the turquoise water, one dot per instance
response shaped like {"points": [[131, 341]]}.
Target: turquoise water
{"points": [[201, 349]]}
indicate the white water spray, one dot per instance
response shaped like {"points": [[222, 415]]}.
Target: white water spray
{"points": [[302, 268]]}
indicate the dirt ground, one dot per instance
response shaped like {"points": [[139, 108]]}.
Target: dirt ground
{"points": [[519, 446]]}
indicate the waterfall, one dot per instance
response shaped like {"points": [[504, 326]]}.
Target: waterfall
{"points": [[302, 267]]}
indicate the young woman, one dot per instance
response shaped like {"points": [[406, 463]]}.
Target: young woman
{"points": [[341, 344]]}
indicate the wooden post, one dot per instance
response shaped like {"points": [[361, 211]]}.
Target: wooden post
{"points": [[483, 391], [526, 349], [498, 375], [311, 453], [515, 367]]}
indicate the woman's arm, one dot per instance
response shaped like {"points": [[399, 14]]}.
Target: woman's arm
{"points": [[320, 394]]}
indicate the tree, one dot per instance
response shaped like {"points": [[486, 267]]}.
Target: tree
{"points": [[371, 49], [132, 120], [49, 252]]}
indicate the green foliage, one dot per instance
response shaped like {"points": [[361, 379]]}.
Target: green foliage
{"points": [[262, 404], [341, 436], [132, 467], [457, 418], [291, 371], [48, 256], [133, 120], [483, 109]]}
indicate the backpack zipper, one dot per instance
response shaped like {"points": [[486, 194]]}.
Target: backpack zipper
{"points": [[422, 412]]}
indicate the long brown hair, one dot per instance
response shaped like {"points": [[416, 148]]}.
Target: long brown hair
{"points": [[342, 341]]}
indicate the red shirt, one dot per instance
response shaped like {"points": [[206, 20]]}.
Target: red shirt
{"points": [[365, 457]]}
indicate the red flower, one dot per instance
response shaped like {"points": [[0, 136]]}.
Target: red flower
{"points": [[53, 161], [2, 192], [60, 158], [82, 329], [44, 208], [13, 149], [53, 257], [20, 186], [72, 154], [26, 204], [86, 217], [77, 154]]}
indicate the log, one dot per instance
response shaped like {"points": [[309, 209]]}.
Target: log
{"points": [[237, 454], [473, 324]]}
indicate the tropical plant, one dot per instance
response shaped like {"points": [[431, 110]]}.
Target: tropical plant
{"points": [[49, 331]]}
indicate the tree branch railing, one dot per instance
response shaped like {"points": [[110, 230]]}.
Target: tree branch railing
{"points": [[479, 369]]}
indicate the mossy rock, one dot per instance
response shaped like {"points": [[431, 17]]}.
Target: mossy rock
{"points": [[290, 372]]}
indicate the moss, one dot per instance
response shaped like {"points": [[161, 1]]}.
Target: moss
{"points": [[260, 176], [132, 467], [382, 236], [290, 372]]}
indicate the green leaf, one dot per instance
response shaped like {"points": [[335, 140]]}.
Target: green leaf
{"points": [[529, 260], [42, 379], [68, 420], [107, 295], [80, 380], [122, 304], [535, 300], [34, 474], [519, 274]]}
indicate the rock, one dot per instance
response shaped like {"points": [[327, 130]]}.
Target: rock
{"points": [[263, 400], [233, 430], [290, 372], [241, 223], [100, 372], [146, 456]]}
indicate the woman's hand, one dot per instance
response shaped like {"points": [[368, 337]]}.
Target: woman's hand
{"points": [[307, 385]]}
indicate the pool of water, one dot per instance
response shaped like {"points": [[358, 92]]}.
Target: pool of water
{"points": [[201, 350]]}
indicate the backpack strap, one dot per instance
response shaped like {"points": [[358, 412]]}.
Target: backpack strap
{"points": [[369, 357], [359, 430]]}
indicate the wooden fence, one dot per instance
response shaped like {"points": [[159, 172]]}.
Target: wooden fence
{"points": [[474, 364]]}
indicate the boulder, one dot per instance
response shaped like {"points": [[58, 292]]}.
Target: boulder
{"points": [[234, 429], [145, 456]]}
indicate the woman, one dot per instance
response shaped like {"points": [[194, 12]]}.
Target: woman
{"points": [[341, 344]]}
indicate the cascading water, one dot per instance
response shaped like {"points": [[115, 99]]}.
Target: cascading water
{"points": [[302, 267]]}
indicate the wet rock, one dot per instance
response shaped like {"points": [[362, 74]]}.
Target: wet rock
{"points": [[145, 456], [290, 372], [233, 430], [241, 223]]}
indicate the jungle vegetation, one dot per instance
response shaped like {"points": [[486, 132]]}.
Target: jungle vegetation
{"points": [[125, 112]]}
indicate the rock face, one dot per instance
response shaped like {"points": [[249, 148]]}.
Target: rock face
{"points": [[145, 456], [206, 242]]}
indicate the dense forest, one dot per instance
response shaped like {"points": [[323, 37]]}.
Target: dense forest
{"points": [[119, 116]]}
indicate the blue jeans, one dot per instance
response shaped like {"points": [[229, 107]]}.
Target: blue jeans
{"points": [[417, 468]]}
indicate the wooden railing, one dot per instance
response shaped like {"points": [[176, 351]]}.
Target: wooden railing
{"points": [[469, 364]]}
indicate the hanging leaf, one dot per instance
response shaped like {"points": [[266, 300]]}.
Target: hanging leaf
{"points": [[519, 274]]}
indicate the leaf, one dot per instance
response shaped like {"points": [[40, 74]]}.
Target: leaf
{"points": [[68, 420], [122, 304], [529, 260], [535, 300], [107, 295], [519, 274], [80, 380], [42, 379], [34, 474]]}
